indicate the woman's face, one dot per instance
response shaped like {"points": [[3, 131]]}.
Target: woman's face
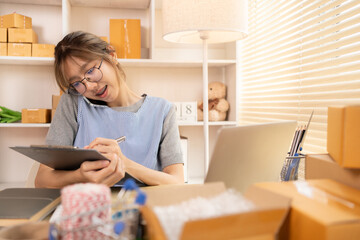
{"points": [[106, 89]]}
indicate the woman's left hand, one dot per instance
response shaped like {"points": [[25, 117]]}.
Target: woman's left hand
{"points": [[115, 171]]}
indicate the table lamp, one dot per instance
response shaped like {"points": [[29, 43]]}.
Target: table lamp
{"points": [[204, 22]]}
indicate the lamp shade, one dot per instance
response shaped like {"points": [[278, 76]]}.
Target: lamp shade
{"points": [[222, 20]]}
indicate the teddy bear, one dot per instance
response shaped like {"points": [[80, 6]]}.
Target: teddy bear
{"points": [[218, 105]]}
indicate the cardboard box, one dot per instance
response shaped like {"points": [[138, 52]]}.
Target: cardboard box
{"points": [[16, 35], [3, 35], [320, 209], [55, 101], [264, 222], [125, 37], [320, 166], [43, 50], [343, 135], [3, 49], [52, 114], [15, 20], [35, 115], [19, 49], [104, 38]]}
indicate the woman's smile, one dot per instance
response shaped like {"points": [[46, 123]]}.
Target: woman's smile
{"points": [[102, 92]]}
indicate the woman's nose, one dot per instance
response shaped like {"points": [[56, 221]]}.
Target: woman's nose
{"points": [[90, 85]]}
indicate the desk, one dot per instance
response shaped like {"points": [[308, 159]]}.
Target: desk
{"points": [[33, 229]]}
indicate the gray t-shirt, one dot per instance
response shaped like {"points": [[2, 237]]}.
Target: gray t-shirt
{"points": [[64, 128]]}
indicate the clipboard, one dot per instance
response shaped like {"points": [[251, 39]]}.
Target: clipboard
{"points": [[59, 157]]}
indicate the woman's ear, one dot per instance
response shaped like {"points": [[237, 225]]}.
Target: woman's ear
{"points": [[112, 52]]}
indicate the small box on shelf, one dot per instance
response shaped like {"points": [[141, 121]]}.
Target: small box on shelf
{"points": [[104, 38], [16, 35], [3, 49], [43, 50], [125, 36], [55, 101], [38, 115], [15, 20], [3, 35], [19, 49]]}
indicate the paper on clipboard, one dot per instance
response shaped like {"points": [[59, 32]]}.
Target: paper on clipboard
{"points": [[59, 157]]}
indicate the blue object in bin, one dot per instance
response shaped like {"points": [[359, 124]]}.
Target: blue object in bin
{"points": [[140, 198], [119, 227], [130, 184]]}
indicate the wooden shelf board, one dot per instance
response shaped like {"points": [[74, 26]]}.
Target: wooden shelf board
{"points": [[48, 61]]}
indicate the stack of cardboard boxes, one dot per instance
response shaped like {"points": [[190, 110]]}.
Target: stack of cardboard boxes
{"points": [[342, 163], [40, 115], [17, 38], [327, 204]]}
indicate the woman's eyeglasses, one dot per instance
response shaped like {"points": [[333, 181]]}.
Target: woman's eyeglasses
{"points": [[94, 74]]}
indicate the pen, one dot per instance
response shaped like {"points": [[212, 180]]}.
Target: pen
{"points": [[120, 139]]}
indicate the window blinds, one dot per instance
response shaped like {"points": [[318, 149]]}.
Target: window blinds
{"points": [[299, 57]]}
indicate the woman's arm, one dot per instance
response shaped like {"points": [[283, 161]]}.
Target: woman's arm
{"points": [[172, 174], [49, 178], [102, 171]]}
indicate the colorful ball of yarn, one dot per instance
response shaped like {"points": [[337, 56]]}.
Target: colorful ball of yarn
{"points": [[88, 205]]}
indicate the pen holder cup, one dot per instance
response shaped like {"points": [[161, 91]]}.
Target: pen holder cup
{"points": [[289, 171]]}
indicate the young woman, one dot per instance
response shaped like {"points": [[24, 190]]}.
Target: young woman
{"points": [[98, 107]]}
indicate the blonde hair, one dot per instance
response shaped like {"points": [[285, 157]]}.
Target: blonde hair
{"points": [[86, 46]]}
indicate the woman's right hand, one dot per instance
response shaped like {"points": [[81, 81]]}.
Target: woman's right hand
{"points": [[103, 171], [90, 170]]}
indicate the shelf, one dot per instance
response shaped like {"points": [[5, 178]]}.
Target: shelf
{"points": [[48, 61], [173, 63], [220, 123], [35, 2], [42, 125], [124, 4], [26, 125]]}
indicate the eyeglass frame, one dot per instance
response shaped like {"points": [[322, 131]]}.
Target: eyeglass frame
{"points": [[87, 79]]}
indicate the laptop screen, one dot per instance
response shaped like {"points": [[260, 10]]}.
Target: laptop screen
{"points": [[244, 155]]}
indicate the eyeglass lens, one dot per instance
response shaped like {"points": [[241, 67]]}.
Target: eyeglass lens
{"points": [[92, 75]]}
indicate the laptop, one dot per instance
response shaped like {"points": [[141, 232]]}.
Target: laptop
{"points": [[244, 155]]}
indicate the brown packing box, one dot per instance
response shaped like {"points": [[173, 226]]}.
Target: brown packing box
{"points": [[43, 50], [343, 135], [104, 38], [19, 49], [55, 101], [16, 35], [52, 114], [3, 35], [3, 49], [35, 115], [125, 37], [320, 209], [319, 166], [15, 20], [264, 222]]}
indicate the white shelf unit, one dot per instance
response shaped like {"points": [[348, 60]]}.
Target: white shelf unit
{"points": [[168, 70]]}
